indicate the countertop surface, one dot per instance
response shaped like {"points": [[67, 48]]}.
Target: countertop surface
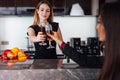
{"points": [[40, 64], [46, 69], [37, 64]]}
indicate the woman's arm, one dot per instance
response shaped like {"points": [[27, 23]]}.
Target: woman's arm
{"points": [[59, 33], [60, 36], [69, 51], [73, 54], [34, 38]]}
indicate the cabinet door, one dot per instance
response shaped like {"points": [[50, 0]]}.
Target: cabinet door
{"points": [[7, 3], [26, 3], [86, 5], [59, 3]]}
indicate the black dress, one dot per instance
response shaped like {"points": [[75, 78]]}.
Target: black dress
{"points": [[42, 52]]}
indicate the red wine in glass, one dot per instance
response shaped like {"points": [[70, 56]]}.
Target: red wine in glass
{"points": [[49, 31], [42, 29]]}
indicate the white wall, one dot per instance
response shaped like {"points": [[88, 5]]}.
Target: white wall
{"points": [[13, 29], [77, 27]]}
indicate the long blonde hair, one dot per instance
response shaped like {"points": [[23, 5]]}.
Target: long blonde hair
{"points": [[36, 17]]}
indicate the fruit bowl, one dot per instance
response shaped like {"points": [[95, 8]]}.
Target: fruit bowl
{"points": [[11, 57]]}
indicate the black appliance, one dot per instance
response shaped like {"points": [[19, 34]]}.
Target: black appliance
{"points": [[75, 42], [93, 46], [91, 50]]}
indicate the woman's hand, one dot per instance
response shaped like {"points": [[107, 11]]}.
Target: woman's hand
{"points": [[41, 36], [55, 37]]}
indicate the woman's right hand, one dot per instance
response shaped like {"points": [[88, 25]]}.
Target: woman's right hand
{"points": [[55, 37], [41, 36]]}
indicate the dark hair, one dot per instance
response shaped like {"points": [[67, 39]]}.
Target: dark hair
{"points": [[110, 15]]}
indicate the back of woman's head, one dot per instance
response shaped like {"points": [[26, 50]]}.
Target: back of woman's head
{"points": [[110, 15]]}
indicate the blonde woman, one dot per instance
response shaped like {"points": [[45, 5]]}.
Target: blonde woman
{"points": [[43, 16]]}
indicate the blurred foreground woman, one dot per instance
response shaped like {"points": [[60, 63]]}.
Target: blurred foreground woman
{"points": [[108, 31]]}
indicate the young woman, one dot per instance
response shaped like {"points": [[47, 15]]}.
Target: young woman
{"points": [[43, 16], [108, 31]]}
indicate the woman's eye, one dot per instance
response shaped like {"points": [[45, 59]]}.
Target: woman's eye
{"points": [[42, 10], [98, 20], [48, 11]]}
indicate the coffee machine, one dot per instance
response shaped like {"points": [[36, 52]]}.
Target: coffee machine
{"points": [[91, 49]]}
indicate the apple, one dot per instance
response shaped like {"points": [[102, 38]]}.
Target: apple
{"points": [[6, 51], [28, 56], [0, 57], [15, 59], [4, 58], [10, 54]]}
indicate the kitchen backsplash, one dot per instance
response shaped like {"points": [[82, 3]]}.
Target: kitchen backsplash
{"points": [[13, 29]]}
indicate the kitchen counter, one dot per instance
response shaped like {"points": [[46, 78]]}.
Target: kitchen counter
{"points": [[44, 69], [38, 64]]}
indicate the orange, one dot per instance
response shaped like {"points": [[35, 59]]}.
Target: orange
{"points": [[15, 51], [21, 50], [21, 53], [22, 58]]}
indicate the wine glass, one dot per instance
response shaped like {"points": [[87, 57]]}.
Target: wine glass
{"points": [[42, 29], [48, 29]]}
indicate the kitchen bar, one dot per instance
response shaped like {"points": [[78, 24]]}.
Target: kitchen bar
{"points": [[46, 70]]}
